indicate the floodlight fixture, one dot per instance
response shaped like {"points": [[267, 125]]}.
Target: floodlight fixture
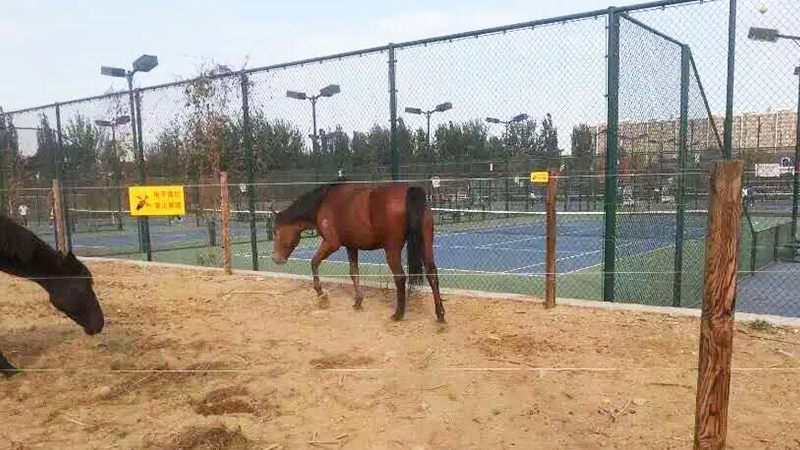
{"points": [[145, 63], [442, 107], [413, 111], [113, 72], [763, 34], [296, 95], [492, 120], [330, 90]]}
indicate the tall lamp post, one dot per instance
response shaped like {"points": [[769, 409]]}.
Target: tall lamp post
{"points": [[441, 107], [144, 63], [772, 35], [516, 119], [328, 91], [113, 124]]}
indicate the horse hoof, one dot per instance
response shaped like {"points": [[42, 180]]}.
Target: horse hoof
{"points": [[358, 307], [397, 317], [441, 320]]}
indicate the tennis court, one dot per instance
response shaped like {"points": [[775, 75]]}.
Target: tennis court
{"points": [[491, 251]]}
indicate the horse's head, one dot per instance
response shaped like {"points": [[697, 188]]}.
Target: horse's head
{"points": [[285, 237], [73, 294]]}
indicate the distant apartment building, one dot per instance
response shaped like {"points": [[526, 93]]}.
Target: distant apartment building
{"points": [[768, 136]]}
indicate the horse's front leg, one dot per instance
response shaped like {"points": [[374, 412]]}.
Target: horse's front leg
{"points": [[352, 255], [7, 369], [393, 258], [325, 249]]}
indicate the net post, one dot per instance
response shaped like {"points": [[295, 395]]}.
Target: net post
{"points": [[248, 147], [393, 115], [58, 218], [225, 213], [611, 155], [683, 133], [550, 277], [719, 294]]}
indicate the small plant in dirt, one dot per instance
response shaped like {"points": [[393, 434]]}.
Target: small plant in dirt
{"points": [[761, 325], [211, 257]]}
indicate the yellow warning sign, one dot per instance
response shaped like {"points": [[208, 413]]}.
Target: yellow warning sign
{"points": [[157, 201], [539, 177]]}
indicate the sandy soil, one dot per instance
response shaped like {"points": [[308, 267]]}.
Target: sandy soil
{"points": [[264, 372]]}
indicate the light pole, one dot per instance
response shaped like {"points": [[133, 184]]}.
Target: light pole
{"points": [[441, 107], [113, 124], [144, 63], [516, 119], [771, 35], [328, 91]]}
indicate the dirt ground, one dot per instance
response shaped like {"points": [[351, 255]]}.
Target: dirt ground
{"points": [[247, 362]]}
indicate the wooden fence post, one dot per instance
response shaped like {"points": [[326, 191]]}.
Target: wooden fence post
{"points": [[550, 277], [58, 219], [226, 237], [716, 323]]}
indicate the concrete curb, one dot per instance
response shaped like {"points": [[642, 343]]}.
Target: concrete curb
{"points": [[665, 310]]}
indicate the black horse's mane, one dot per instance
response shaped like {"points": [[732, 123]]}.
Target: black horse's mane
{"points": [[22, 253], [306, 206]]}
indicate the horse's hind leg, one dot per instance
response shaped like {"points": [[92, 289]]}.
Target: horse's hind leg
{"points": [[430, 266], [352, 255], [393, 258], [7, 369]]}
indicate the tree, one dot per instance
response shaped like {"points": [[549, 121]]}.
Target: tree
{"points": [[547, 141], [464, 141], [582, 148], [277, 145], [81, 144], [521, 137]]}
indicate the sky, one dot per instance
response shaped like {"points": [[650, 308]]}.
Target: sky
{"points": [[53, 51]]}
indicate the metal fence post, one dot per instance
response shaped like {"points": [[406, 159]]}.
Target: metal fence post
{"points": [[610, 198], [683, 134], [248, 147], [3, 137], [796, 175], [728, 128], [393, 115], [144, 224], [58, 161]]}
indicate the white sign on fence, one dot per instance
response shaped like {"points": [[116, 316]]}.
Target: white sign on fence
{"points": [[768, 170], [436, 182], [242, 188]]}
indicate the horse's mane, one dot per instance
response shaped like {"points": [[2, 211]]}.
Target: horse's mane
{"points": [[23, 253], [306, 206]]}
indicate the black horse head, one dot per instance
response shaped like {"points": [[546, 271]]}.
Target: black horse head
{"points": [[72, 292]]}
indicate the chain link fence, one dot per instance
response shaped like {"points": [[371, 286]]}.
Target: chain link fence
{"points": [[627, 104]]}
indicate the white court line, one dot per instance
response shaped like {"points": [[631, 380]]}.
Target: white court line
{"points": [[543, 237], [557, 260]]}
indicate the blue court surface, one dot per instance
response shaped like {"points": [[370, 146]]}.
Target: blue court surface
{"points": [[517, 245]]}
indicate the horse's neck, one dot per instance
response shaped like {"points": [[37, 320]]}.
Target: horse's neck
{"points": [[41, 269]]}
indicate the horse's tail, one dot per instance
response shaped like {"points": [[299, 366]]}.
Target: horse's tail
{"points": [[415, 212]]}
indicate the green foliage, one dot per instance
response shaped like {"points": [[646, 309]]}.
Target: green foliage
{"points": [[210, 257], [760, 325]]}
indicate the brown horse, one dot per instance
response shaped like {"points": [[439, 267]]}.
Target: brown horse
{"points": [[364, 218]]}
